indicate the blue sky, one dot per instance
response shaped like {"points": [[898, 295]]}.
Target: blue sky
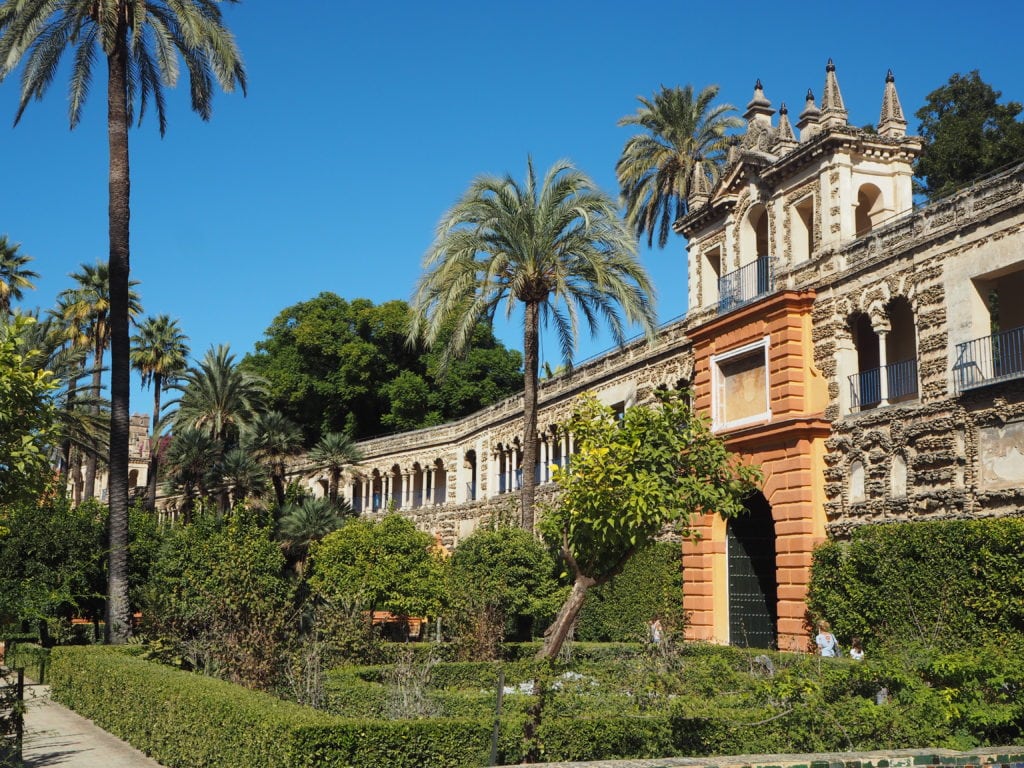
{"points": [[365, 121]]}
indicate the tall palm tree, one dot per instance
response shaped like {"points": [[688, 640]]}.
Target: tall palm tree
{"points": [[140, 41], [656, 168], [334, 452], [218, 396], [558, 249], [274, 437], [14, 278], [159, 353], [86, 309]]}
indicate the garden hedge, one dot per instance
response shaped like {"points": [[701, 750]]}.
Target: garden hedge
{"points": [[938, 583]]}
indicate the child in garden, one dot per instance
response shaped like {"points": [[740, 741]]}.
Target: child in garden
{"points": [[856, 651]]}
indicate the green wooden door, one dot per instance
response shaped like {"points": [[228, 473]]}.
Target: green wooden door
{"points": [[753, 586]]}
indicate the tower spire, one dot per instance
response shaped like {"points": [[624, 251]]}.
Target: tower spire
{"points": [[833, 111], [808, 122], [785, 140], [891, 123], [700, 189], [759, 108]]}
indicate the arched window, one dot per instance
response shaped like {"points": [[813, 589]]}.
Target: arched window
{"points": [[870, 209], [801, 230], [754, 241], [900, 352]]}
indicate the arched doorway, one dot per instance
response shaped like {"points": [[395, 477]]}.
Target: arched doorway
{"points": [[753, 589]]}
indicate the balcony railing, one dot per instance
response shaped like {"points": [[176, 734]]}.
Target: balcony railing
{"points": [[900, 380], [990, 359], [746, 284]]}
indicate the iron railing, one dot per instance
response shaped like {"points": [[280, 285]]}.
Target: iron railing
{"points": [[990, 359], [900, 381], [746, 284]]}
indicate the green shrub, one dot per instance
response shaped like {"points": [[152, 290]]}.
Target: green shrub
{"points": [[650, 585], [940, 583], [33, 658]]}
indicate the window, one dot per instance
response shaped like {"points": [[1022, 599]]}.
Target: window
{"points": [[802, 230], [739, 381]]}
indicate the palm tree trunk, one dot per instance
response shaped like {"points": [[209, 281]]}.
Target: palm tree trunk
{"points": [[119, 626], [97, 384], [531, 347], [333, 490], [559, 630], [151, 474]]}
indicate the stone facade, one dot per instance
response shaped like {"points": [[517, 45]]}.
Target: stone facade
{"points": [[866, 354]]}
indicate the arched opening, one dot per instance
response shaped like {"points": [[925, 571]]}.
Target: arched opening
{"points": [[801, 229], [133, 478], [753, 587], [417, 485], [376, 490], [395, 497], [440, 486], [358, 503], [325, 487], [866, 384], [711, 273], [469, 467], [901, 352], [501, 468], [869, 209], [754, 243]]}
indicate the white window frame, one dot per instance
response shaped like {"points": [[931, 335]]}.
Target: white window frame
{"points": [[718, 387]]}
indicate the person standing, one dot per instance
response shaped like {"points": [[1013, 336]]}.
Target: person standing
{"points": [[856, 649], [826, 641], [656, 630]]}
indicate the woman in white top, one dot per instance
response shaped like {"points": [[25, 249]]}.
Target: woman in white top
{"points": [[826, 641]]}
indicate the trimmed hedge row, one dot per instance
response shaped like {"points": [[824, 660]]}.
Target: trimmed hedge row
{"points": [[187, 720], [934, 582]]}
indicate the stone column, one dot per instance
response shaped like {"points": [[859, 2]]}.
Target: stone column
{"points": [[883, 374]]}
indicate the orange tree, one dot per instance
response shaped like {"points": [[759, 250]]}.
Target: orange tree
{"points": [[633, 477]]}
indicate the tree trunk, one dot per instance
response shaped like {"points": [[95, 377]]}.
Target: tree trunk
{"points": [[119, 626], [531, 356], [151, 474], [97, 389], [335, 481], [278, 481], [559, 630]]}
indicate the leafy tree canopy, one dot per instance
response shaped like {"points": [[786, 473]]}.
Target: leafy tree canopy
{"points": [[967, 132], [385, 565], [26, 415], [344, 366], [631, 478]]}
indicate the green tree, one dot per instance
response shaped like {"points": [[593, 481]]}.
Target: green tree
{"points": [[334, 365], [333, 453], [14, 277], [27, 416], [273, 437], [632, 477], [307, 522], [159, 353], [244, 474], [140, 41], [192, 466], [967, 134], [656, 168], [218, 396], [502, 576], [559, 249], [386, 565]]}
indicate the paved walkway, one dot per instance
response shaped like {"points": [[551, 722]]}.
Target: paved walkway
{"points": [[56, 736]]}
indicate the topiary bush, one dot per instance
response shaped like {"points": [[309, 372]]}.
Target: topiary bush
{"points": [[650, 585], [936, 583]]}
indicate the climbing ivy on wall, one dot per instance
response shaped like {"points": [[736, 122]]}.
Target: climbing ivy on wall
{"points": [[942, 583]]}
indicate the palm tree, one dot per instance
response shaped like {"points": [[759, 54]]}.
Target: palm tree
{"points": [[560, 250], [192, 461], [274, 437], [14, 278], [218, 396], [140, 41], [308, 522], [656, 168], [334, 452], [86, 309], [159, 353], [243, 474]]}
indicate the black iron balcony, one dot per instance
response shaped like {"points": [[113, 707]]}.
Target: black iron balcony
{"points": [[900, 380], [746, 284], [990, 359]]}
